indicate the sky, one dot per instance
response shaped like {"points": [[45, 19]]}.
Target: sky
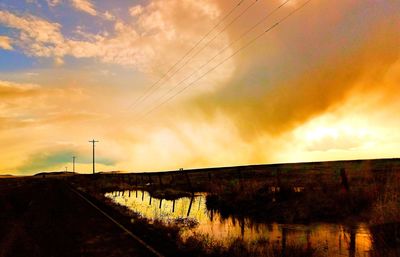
{"points": [[169, 84]]}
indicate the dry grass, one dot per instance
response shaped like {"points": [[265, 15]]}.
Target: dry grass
{"points": [[255, 199], [385, 219], [202, 245], [386, 208]]}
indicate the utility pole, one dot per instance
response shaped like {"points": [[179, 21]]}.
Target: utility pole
{"points": [[94, 159], [73, 164]]}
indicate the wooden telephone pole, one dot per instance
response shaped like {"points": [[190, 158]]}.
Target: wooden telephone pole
{"points": [[94, 159], [73, 164]]}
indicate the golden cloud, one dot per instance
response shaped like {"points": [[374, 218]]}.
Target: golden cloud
{"points": [[278, 106], [5, 43], [12, 90], [145, 43], [321, 86]]}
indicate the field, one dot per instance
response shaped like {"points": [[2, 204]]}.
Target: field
{"points": [[344, 192]]}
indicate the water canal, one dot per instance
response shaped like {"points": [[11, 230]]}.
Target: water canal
{"points": [[328, 239]]}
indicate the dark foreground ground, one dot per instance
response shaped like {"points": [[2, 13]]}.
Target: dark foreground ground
{"points": [[42, 216], [47, 219]]}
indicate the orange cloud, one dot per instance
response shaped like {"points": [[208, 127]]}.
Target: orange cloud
{"points": [[136, 10], [278, 106], [84, 6], [5, 43], [144, 44], [12, 90], [321, 86]]}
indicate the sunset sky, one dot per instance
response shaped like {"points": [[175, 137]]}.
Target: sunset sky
{"points": [[324, 84]]}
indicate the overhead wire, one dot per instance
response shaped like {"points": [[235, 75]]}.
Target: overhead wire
{"points": [[212, 39], [146, 93], [203, 47], [226, 47], [227, 58]]}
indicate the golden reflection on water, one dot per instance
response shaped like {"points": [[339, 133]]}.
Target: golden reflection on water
{"points": [[330, 239]]}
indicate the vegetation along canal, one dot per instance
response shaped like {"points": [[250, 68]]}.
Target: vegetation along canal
{"points": [[196, 220]]}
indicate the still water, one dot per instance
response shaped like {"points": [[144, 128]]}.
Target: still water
{"points": [[329, 239]]}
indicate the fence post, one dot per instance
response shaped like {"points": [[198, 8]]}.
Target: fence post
{"points": [[345, 182], [240, 178], [159, 177], [190, 206], [188, 180], [278, 178]]}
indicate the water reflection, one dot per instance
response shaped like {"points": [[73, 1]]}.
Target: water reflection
{"points": [[329, 239]]}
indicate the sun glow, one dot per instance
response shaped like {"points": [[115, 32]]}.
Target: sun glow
{"points": [[335, 131], [328, 132], [323, 85]]}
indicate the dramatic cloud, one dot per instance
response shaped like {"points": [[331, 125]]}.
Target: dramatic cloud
{"points": [[145, 44], [322, 85], [279, 105]]}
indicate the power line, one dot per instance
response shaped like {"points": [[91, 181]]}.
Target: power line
{"points": [[229, 57], [226, 47], [145, 95], [208, 43]]}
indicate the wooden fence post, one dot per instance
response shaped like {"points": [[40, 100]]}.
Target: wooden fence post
{"points": [[240, 179], [344, 182], [188, 180], [159, 177]]}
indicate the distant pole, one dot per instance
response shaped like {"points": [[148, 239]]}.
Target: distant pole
{"points": [[73, 164], [66, 169], [94, 157]]}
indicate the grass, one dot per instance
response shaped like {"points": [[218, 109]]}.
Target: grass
{"points": [[201, 245], [373, 196], [385, 219], [255, 199], [195, 245], [386, 208]]}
